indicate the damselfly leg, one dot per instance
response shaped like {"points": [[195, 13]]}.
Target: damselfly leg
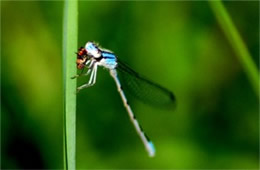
{"points": [[86, 66], [92, 79]]}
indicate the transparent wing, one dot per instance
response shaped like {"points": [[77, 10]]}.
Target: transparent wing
{"points": [[143, 89]]}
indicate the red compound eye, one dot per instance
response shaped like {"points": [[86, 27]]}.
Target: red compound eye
{"points": [[81, 58], [81, 52]]}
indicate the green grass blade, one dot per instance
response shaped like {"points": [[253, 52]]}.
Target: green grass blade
{"points": [[70, 35], [236, 42]]}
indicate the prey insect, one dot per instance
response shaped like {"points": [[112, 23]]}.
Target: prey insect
{"points": [[91, 56]]}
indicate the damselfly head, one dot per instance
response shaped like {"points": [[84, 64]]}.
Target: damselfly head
{"points": [[81, 57]]}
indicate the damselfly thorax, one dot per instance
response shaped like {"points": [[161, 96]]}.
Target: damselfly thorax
{"points": [[92, 55]]}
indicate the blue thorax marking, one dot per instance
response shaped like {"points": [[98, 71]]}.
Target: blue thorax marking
{"points": [[108, 55], [92, 50], [109, 59], [91, 47]]}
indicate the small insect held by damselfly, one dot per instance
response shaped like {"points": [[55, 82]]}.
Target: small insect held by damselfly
{"points": [[91, 56]]}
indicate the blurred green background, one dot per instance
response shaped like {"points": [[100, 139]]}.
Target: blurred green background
{"points": [[178, 44]]}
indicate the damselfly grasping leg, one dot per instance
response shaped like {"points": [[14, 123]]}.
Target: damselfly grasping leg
{"points": [[96, 56]]}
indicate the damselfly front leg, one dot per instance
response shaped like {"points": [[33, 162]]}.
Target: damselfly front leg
{"points": [[92, 79], [78, 75], [85, 65]]}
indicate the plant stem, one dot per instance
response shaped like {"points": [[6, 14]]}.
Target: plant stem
{"points": [[236, 42], [70, 35]]}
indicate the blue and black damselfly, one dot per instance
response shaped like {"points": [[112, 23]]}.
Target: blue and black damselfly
{"points": [[91, 56]]}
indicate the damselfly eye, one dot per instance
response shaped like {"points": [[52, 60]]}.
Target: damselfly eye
{"points": [[81, 52]]}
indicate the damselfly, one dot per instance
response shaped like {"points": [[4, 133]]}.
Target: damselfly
{"points": [[91, 56]]}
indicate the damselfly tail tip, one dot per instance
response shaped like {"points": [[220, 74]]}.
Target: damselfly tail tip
{"points": [[151, 149]]}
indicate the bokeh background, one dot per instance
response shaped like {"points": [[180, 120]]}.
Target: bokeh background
{"points": [[178, 44]]}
